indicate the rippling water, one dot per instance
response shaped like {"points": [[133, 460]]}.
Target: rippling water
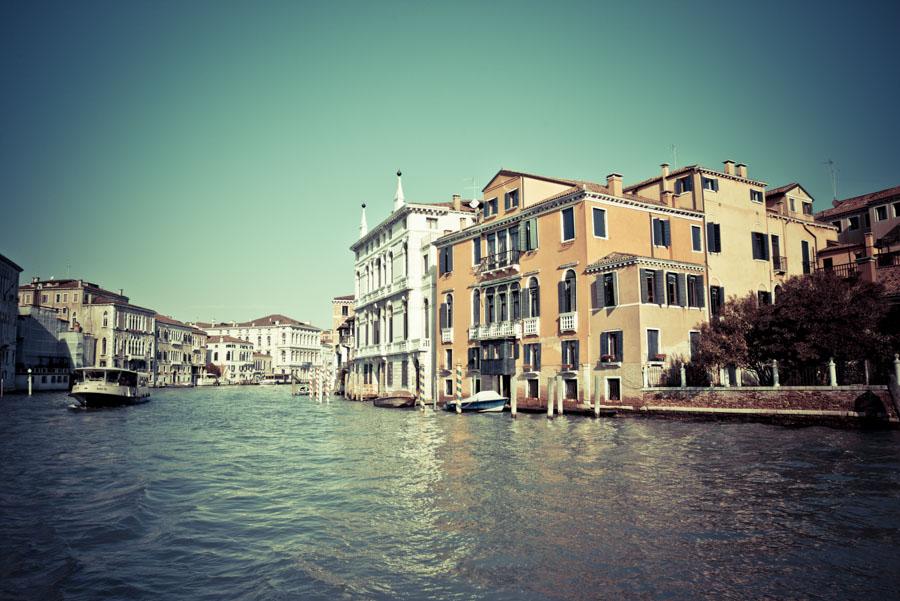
{"points": [[246, 493]]}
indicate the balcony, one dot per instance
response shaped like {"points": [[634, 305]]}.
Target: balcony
{"points": [[847, 270], [779, 264], [498, 367], [397, 347], [506, 261], [568, 322], [531, 326], [501, 329], [446, 334]]}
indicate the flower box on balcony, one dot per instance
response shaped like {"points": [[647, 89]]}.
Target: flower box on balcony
{"points": [[607, 358], [567, 367], [526, 367], [659, 357]]}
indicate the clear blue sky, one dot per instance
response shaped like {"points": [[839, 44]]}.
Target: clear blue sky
{"points": [[210, 157]]}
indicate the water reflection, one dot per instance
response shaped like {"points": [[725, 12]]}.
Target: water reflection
{"points": [[252, 494]]}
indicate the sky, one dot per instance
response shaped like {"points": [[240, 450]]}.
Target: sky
{"points": [[210, 158]]}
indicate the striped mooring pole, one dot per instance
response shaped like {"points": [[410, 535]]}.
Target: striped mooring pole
{"points": [[458, 388], [419, 399]]}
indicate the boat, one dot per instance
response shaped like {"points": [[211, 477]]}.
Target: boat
{"points": [[396, 399], [486, 401], [208, 380], [108, 387]]}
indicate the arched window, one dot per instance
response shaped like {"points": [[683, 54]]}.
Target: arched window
{"points": [[283, 338], [534, 298], [514, 296], [503, 303], [449, 301], [405, 319], [476, 307], [427, 320], [103, 346], [567, 293], [105, 319], [283, 357], [490, 313], [389, 318]]}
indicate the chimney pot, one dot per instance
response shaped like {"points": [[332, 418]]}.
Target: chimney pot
{"points": [[614, 184], [729, 167], [742, 170], [457, 202], [665, 169], [121, 292], [35, 279]]}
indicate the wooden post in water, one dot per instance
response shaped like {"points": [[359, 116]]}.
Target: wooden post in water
{"points": [[775, 381], [30, 378], [586, 393], [513, 394], [550, 382], [560, 394], [458, 388], [597, 398], [832, 372]]}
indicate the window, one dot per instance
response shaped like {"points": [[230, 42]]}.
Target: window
{"points": [[514, 299], [571, 388], [476, 307], [529, 235], [713, 237], [501, 298], [652, 286], [534, 298], [567, 293], [684, 184], [568, 224], [881, 213], [710, 183], [474, 355], [532, 388], [613, 389], [345, 310], [432, 223], [599, 222], [760, 245], [490, 207], [896, 212], [716, 299], [448, 358], [807, 208], [661, 232], [105, 319], [605, 291], [57, 297], [804, 251], [868, 221], [532, 356], [756, 196], [793, 206], [853, 223], [448, 387], [476, 251], [570, 354], [446, 260], [696, 239], [611, 347], [837, 224], [674, 284], [694, 338], [653, 345], [511, 199], [764, 297]]}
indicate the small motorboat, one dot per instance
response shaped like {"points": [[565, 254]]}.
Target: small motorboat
{"points": [[108, 387], [396, 399], [486, 401], [208, 380]]}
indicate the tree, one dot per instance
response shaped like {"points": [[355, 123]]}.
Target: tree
{"points": [[213, 369]]}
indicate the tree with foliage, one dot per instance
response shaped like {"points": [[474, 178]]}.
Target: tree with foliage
{"points": [[814, 318], [213, 370]]}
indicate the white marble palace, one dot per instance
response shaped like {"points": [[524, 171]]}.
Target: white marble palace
{"points": [[395, 271]]}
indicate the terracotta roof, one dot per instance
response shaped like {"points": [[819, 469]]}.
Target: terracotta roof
{"points": [[221, 339], [463, 206], [514, 173], [105, 300], [857, 203], [268, 320], [889, 277], [688, 168], [170, 321], [782, 190], [10, 263], [262, 355], [616, 258], [345, 297]]}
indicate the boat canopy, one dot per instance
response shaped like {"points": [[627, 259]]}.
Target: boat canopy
{"points": [[119, 377]]}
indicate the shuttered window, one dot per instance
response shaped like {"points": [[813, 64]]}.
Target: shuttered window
{"points": [[652, 345], [611, 347], [568, 224], [760, 245], [662, 235], [599, 222], [713, 238]]}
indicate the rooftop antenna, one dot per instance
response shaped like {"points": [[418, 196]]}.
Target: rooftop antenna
{"points": [[832, 169], [674, 157], [474, 188], [68, 269]]}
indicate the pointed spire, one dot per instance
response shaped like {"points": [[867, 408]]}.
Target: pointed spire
{"points": [[399, 200], [363, 226]]}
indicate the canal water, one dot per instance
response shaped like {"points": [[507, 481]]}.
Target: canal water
{"points": [[247, 493]]}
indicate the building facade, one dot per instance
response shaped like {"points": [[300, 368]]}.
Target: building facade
{"points": [[180, 358], [233, 357], [394, 296], [9, 290], [69, 297], [293, 345], [585, 291], [48, 350], [124, 334]]}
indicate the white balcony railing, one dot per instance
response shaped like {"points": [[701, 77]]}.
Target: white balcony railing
{"points": [[568, 322], [502, 329], [531, 326], [446, 334]]}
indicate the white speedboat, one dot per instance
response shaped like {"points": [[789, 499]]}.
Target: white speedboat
{"points": [[486, 401], [109, 386], [208, 380]]}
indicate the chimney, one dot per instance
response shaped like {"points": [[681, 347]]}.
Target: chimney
{"points": [[729, 167], [614, 184], [35, 279], [121, 292], [668, 197], [742, 170], [665, 169], [457, 202]]}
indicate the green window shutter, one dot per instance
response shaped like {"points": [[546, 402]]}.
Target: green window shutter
{"points": [[643, 286], [660, 287], [682, 289]]}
